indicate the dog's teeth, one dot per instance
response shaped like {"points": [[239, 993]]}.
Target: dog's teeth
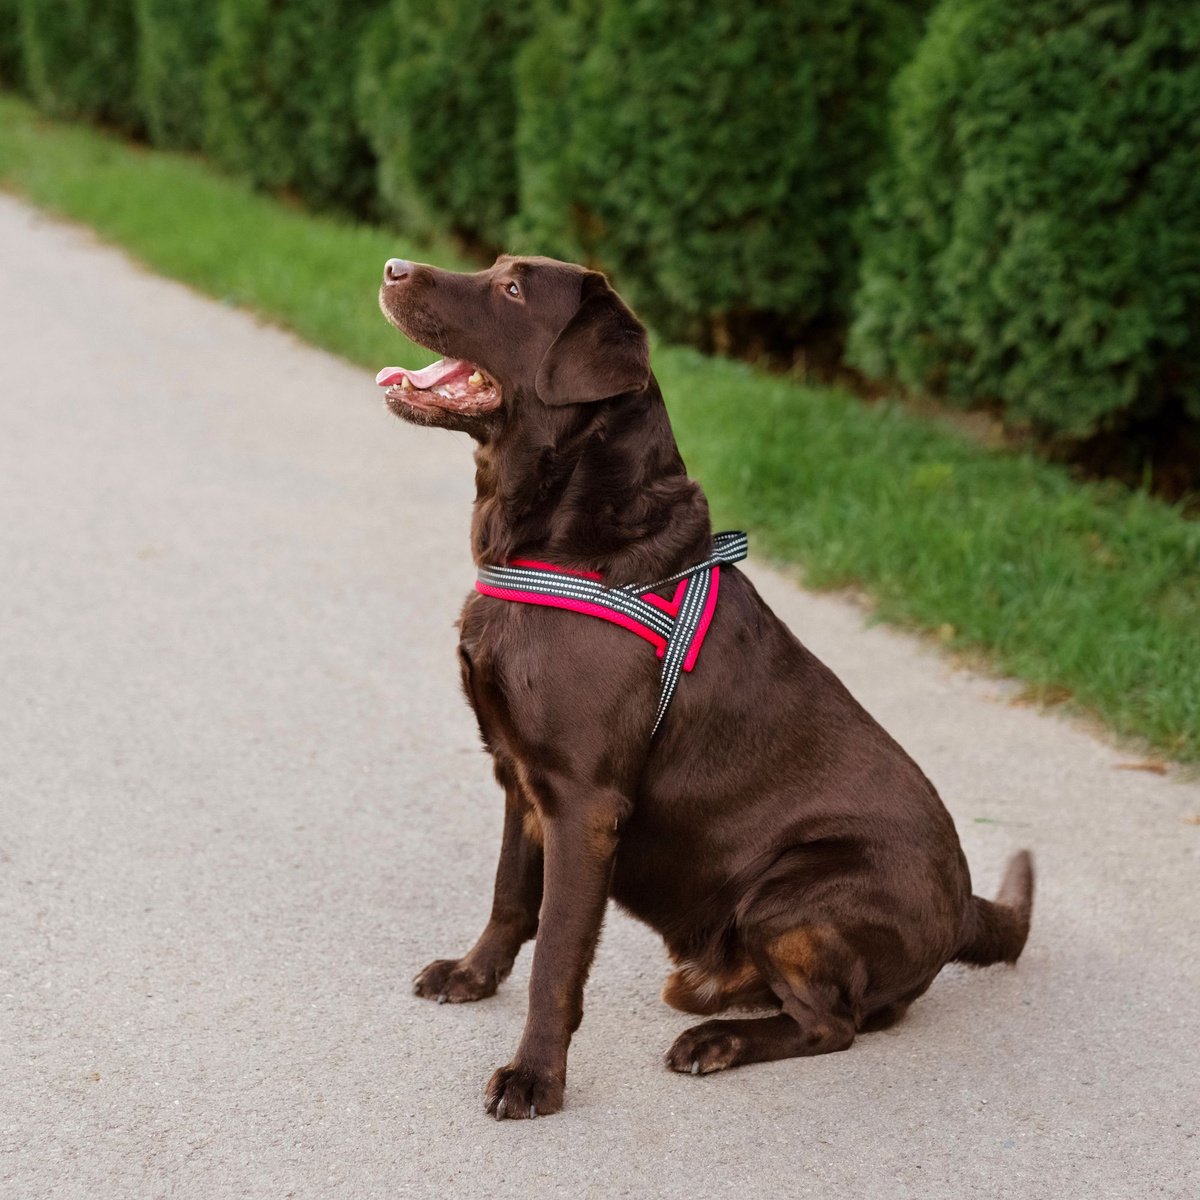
{"points": [[405, 384], [475, 379], [696, 1068], [532, 1111]]}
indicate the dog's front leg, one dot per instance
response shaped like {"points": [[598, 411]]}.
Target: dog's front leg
{"points": [[514, 919], [580, 833]]}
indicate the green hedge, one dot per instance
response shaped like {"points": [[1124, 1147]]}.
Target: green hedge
{"points": [[176, 40], [548, 175], [1035, 237], [1032, 235], [713, 154], [280, 97], [12, 70], [436, 98], [79, 58]]}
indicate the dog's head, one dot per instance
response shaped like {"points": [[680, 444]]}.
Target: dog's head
{"points": [[526, 336]]}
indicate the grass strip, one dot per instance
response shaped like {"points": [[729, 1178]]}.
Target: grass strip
{"points": [[1088, 591]]}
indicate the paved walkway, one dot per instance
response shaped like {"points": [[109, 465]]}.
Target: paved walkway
{"points": [[241, 803]]}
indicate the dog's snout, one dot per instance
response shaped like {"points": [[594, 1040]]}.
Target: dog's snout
{"points": [[396, 270]]}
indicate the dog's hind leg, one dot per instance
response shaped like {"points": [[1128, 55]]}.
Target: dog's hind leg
{"points": [[717, 1045], [694, 988], [815, 1017]]}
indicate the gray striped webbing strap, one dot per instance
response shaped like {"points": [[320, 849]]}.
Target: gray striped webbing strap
{"points": [[540, 584]]}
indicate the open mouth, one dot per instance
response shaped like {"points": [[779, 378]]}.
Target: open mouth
{"points": [[450, 383]]}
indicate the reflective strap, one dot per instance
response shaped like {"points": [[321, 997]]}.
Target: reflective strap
{"points": [[577, 587], [691, 609], [728, 547], [626, 603]]}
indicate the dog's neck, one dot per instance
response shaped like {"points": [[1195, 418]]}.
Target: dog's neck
{"points": [[594, 488]]}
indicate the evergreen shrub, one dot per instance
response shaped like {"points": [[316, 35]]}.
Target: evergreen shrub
{"points": [[176, 40], [79, 58], [280, 98], [436, 98], [1034, 238], [11, 67], [712, 155]]}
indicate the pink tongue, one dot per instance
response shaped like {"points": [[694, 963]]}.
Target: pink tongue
{"points": [[427, 377]]}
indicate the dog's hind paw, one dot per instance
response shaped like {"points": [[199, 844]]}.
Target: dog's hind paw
{"points": [[704, 1049], [454, 981]]}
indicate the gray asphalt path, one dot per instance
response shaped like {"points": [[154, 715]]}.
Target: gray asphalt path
{"points": [[241, 803]]}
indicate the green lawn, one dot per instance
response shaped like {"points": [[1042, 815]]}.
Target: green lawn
{"points": [[1085, 590]]}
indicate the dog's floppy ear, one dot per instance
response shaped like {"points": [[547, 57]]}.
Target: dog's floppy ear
{"points": [[602, 351]]}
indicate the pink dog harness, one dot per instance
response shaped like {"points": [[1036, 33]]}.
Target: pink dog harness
{"points": [[675, 627]]}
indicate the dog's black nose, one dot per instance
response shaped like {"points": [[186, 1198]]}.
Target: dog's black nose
{"points": [[396, 270]]}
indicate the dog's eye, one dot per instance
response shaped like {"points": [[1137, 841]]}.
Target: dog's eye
{"points": [[513, 290]]}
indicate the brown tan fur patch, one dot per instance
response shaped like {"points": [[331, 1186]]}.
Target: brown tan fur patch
{"points": [[811, 956], [531, 822], [692, 989]]}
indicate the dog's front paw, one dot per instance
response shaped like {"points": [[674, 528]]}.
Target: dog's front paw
{"points": [[455, 981], [517, 1092], [705, 1048]]}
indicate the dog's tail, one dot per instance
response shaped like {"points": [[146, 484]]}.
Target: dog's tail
{"points": [[997, 929]]}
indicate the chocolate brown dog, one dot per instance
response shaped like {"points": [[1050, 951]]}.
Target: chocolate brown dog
{"points": [[789, 852]]}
